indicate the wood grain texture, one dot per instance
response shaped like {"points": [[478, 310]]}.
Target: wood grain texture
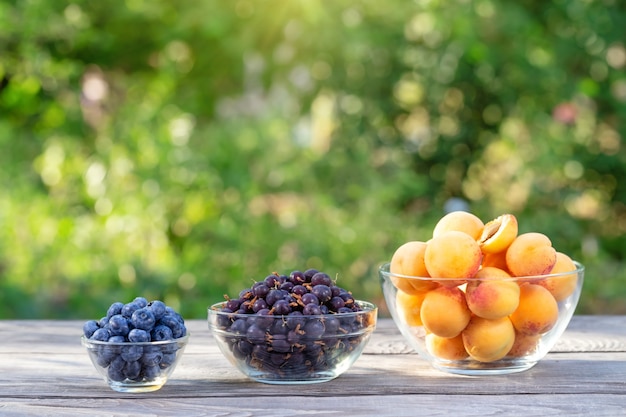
{"points": [[44, 371]]}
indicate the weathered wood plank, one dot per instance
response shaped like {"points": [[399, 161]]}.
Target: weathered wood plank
{"points": [[45, 371], [361, 405]]}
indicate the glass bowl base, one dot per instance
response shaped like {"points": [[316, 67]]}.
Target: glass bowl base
{"points": [[501, 367], [134, 386]]}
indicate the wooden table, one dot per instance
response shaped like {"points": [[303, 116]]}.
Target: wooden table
{"points": [[44, 371]]}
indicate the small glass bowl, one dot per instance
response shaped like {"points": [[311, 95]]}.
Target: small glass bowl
{"points": [[135, 366], [292, 349], [450, 354]]}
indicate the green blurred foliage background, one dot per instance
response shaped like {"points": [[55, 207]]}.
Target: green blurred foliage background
{"points": [[182, 149]]}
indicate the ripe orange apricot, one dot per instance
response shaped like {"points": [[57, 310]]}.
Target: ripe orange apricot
{"points": [[498, 234], [408, 260], [460, 221], [497, 260], [449, 348], [409, 306], [452, 255], [444, 311], [488, 340], [537, 312], [561, 286], [525, 344], [530, 254], [492, 296]]}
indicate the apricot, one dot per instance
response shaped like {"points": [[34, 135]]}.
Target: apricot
{"points": [[561, 286], [452, 255], [498, 234], [408, 307], [408, 260], [537, 312], [488, 340], [530, 254], [449, 348], [444, 311], [460, 221], [497, 260], [492, 296], [524, 344]]}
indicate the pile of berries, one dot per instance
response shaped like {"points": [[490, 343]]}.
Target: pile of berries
{"points": [[127, 324], [291, 326]]}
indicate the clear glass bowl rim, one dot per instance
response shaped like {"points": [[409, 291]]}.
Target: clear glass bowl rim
{"points": [[580, 268], [87, 342], [367, 306]]}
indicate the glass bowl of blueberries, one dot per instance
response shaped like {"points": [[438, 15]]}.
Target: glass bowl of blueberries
{"points": [[137, 345], [299, 328]]}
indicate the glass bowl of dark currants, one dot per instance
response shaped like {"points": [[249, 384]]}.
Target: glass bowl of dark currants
{"points": [[296, 329], [137, 345]]}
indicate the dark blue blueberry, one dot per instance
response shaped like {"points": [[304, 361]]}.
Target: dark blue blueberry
{"points": [[115, 308], [138, 335], [150, 372], [152, 357], [103, 321], [132, 370], [171, 311], [179, 331], [101, 335], [117, 339], [175, 324], [131, 353], [116, 374], [161, 332], [158, 308], [118, 325], [130, 308], [106, 354], [141, 301], [168, 360], [89, 328], [143, 319]]}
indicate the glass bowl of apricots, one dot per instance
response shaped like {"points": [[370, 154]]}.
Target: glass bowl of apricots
{"points": [[480, 298]]}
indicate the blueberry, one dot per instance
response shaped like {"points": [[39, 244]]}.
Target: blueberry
{"points": [[138, 335], [106, 354], [150, 372], [161, 332], [101, 334], [131, 353], [158, 308], [132, 370], [129, 309], [115, 308], [116, 374], [152, 357], [174, 323], [118, 325], [168, 360], [103, 321], [116, 339], [141, 301], [143, 319], [89, 328]]}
